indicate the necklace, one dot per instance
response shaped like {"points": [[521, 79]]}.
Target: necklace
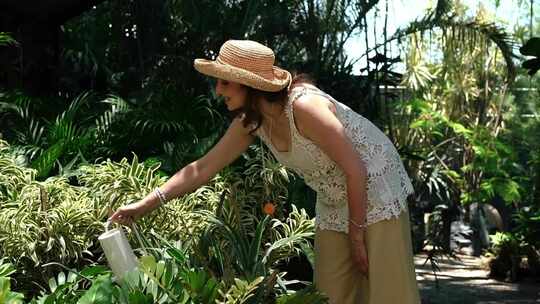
{"points": [[265, 159], [271, 124]]}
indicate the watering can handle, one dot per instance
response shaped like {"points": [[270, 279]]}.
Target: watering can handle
{"points": [[107, 224], [133, 227]]}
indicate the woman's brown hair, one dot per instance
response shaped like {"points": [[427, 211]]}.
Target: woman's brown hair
{"points": [[251, 110]]}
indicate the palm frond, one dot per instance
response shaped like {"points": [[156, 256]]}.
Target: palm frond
{"points": [[306, 295], [6, 39], [442, 18], [119, 107]]}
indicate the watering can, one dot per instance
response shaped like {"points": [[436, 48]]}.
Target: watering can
{"points": [[118, 252]]}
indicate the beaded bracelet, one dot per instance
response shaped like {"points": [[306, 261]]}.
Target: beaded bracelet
{"points": [[359, 226], [160, 195]]}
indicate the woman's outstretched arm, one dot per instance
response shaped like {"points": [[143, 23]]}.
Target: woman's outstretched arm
{"points": [[235, 142]]}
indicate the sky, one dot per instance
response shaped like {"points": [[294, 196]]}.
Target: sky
{"points": [[402, 12]]}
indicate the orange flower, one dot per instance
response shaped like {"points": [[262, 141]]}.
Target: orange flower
{"points": [[269, 208]]}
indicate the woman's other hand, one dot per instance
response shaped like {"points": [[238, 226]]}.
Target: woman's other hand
{"points": [[359, 249]]}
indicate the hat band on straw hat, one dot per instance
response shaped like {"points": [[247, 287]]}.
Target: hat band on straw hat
{"points": [[263, 70]]}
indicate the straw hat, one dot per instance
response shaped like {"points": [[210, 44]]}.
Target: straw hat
{"points": [[246, 62]]}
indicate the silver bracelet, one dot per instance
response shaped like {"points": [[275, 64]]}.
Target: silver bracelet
{"points": [[160, 195], [359, 226]]}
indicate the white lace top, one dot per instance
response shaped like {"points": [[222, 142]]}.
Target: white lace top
{"points": [[387, 184]]}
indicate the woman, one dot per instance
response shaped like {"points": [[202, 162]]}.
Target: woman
{"points": [[362, 241]]}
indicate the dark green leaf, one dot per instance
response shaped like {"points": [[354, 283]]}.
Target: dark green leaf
{"points": [[531, 47], [100, 293]]}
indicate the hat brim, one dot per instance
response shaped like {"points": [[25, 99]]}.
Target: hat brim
{"points": [[282, 78]]}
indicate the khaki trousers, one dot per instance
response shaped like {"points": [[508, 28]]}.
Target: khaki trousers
{"points": [[392, 278]]}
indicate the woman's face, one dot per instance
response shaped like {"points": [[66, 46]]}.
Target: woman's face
{"points": [[233, 92]]}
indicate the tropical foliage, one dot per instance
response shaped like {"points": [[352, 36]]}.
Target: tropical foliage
{"points": [[111, 106], [221, 226]]}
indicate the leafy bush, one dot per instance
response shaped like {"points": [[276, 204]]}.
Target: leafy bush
{"points": [[8, 296], [171, 278], [507, 250], [510, 248], [222, 226]]}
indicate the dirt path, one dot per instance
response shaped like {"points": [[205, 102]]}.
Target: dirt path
{"points": [[465, 282]]}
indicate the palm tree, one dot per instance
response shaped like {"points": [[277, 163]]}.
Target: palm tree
{"points": [[465, 103]]}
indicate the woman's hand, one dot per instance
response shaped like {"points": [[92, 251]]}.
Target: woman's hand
{"points": [[359, 249], [125, 215]]}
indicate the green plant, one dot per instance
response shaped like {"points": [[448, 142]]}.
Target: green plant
{"points": [[6, 39], [169, 275], [116, 183], [528, 229], [49, 222], [51, 141], [454, 144], [42, 222], [13, 176], [113, 184], [531, 48], [241, 291], [8, 296], [239, 251], [507, 249]]}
